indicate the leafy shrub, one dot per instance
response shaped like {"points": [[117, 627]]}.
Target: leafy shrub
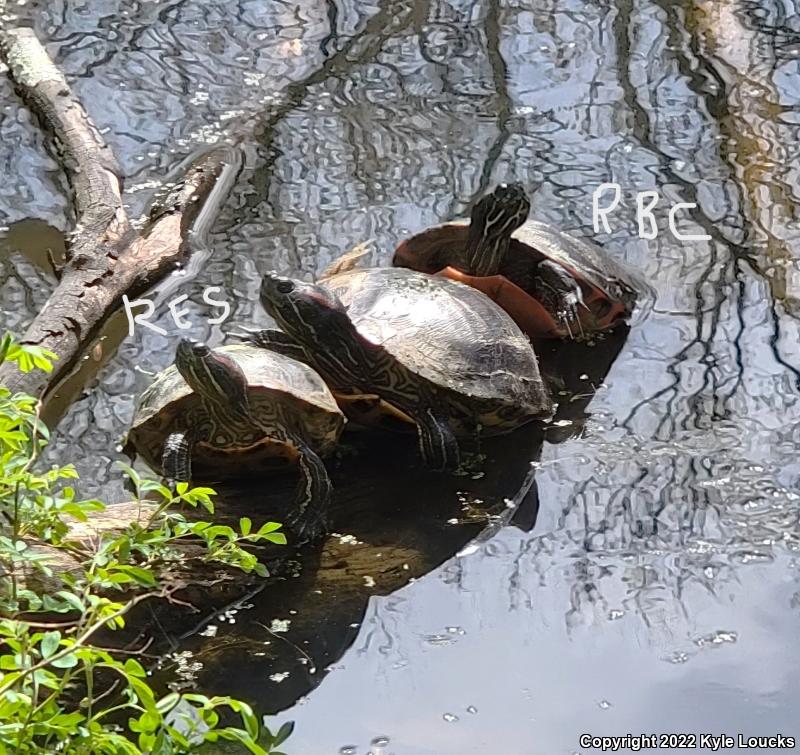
{"points": [[42, 664]]}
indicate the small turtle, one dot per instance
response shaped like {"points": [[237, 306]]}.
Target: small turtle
{"points": [[551, 283], [421, 349], [239, 410]]}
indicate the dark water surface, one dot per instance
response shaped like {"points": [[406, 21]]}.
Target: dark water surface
{"points": [[658, 589]]}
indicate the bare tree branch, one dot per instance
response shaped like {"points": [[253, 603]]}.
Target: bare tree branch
{"points": [[106, 256]]}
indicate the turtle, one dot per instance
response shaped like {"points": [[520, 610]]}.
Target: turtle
{"points": [[237, 410], [416, 348], [554, 285]]}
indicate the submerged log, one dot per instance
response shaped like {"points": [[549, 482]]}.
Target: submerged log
{"points": [[106, 255], [189, 572]]}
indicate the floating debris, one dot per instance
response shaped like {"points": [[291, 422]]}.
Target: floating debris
{"points": [[715, 639], [347, 539], [438, 639], [679, 656]]}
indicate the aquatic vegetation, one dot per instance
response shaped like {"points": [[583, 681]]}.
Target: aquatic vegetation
{"points": [[59, 692]]}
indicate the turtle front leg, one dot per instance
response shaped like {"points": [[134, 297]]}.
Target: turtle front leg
{"points": [[309, 517], [561, 294], [437, 442], [274, 340], [176, 458]]}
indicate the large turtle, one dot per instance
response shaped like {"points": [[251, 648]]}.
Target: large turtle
{"points": [[551, 283], [422, 349], [236, 410]]}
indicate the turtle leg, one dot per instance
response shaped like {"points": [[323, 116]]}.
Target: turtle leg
{"points": [[437, 442], [176, 458], [309, 517], [561, 294], [274, 340]]}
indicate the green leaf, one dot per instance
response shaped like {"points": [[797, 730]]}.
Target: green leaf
{"points": [[66, 661], [67, 720], [142, 576], [130, 472], [49, 644], [72, 599], [134, 668], [245, 525], [47, 679], [283, 734], [168, 702], [149, 486], [143, 692], [236, 735], [149, 722], [8, 663]]}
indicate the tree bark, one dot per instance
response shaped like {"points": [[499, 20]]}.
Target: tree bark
{"points": [[106, 256]]}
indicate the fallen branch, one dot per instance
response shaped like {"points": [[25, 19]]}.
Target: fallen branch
{"points": [[106, 256], [190, 572]]}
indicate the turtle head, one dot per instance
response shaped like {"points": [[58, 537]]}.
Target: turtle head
{"points": [[214, 376], [316, 319], [303, 310], [492, 221]]}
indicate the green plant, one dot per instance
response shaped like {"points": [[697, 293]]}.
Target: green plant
{"points": [[51, 700]]}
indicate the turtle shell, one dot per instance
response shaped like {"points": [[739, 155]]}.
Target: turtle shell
{"points": [[602, 279], [169, 404], [451, 336]]}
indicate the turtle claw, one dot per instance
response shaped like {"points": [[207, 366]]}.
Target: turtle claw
{"points": [[569, 315], [308, 528], [253, 336], [272, 340], [245, 333]]}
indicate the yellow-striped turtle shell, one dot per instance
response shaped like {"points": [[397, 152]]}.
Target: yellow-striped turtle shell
{"points": [[169, 404], [451, 336]]}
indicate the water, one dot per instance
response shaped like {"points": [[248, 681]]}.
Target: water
{"points": [[657, 590]]}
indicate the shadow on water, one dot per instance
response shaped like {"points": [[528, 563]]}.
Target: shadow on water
{"points": [[393, 522]]}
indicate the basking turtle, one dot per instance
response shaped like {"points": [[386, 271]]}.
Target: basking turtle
{"points": [[236, 410], [421, 349], [551, 283]]}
